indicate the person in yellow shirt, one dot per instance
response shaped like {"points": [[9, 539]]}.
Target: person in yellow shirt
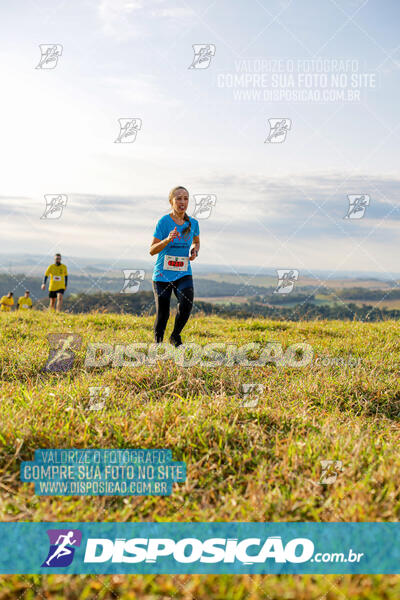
{"points": [[7, 302], [58, 282], [24, 301]]}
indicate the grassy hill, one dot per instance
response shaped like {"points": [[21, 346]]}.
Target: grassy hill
{"points": [[243, 464]]}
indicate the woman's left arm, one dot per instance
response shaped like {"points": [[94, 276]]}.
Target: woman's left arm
{"points": [[196, 247]]}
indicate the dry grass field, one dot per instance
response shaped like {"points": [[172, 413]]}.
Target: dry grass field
{"points": [[243, 464]]}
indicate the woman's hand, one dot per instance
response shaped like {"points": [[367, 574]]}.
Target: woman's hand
{"points": [[159, 245], [193, 253], [173, 234]]}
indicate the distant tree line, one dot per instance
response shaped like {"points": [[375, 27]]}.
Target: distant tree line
{"points": [[296, 306], [142, 303], [360, 293]]}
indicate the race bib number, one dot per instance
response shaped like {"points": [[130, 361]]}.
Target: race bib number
{"points": [[23, 306], [57, 277], [176, 263]]}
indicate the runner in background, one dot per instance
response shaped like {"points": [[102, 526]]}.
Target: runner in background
{"points": [[58, 282], [24, 301], [7, 302], [175, 237]]}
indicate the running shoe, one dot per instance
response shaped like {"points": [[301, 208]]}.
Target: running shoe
{"points": [[175, 340]]}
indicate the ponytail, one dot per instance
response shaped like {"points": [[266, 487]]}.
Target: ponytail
{"points": [[187, 229]]}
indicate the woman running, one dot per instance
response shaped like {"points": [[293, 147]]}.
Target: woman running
{"points": [[174, 235]]}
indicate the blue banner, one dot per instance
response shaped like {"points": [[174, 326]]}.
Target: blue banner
{"points": [[218, 548], [103, 472]]}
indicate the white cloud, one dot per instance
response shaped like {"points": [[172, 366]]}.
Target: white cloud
{"points": [[114, 16], [176, 12], [122, 19], [262, 222], [140, 90]]}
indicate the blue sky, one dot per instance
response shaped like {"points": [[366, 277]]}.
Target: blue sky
{"points": [[278, 205]]}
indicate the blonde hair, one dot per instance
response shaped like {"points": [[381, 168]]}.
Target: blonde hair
{"points": [[171, 195]]}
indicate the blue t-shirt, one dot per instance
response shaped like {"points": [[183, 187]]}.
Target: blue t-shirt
{"points": [[178, 247]]}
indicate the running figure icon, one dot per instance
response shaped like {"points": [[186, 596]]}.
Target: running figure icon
{"points": [[62, 549]]}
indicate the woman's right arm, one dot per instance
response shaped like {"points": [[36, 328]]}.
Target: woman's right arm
{"points": [[158, 245]]}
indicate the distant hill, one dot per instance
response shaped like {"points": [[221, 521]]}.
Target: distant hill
{"points": [[142, 303], [102, 292]]}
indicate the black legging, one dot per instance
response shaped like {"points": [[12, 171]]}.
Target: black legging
{"points": [[183, 290]]}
